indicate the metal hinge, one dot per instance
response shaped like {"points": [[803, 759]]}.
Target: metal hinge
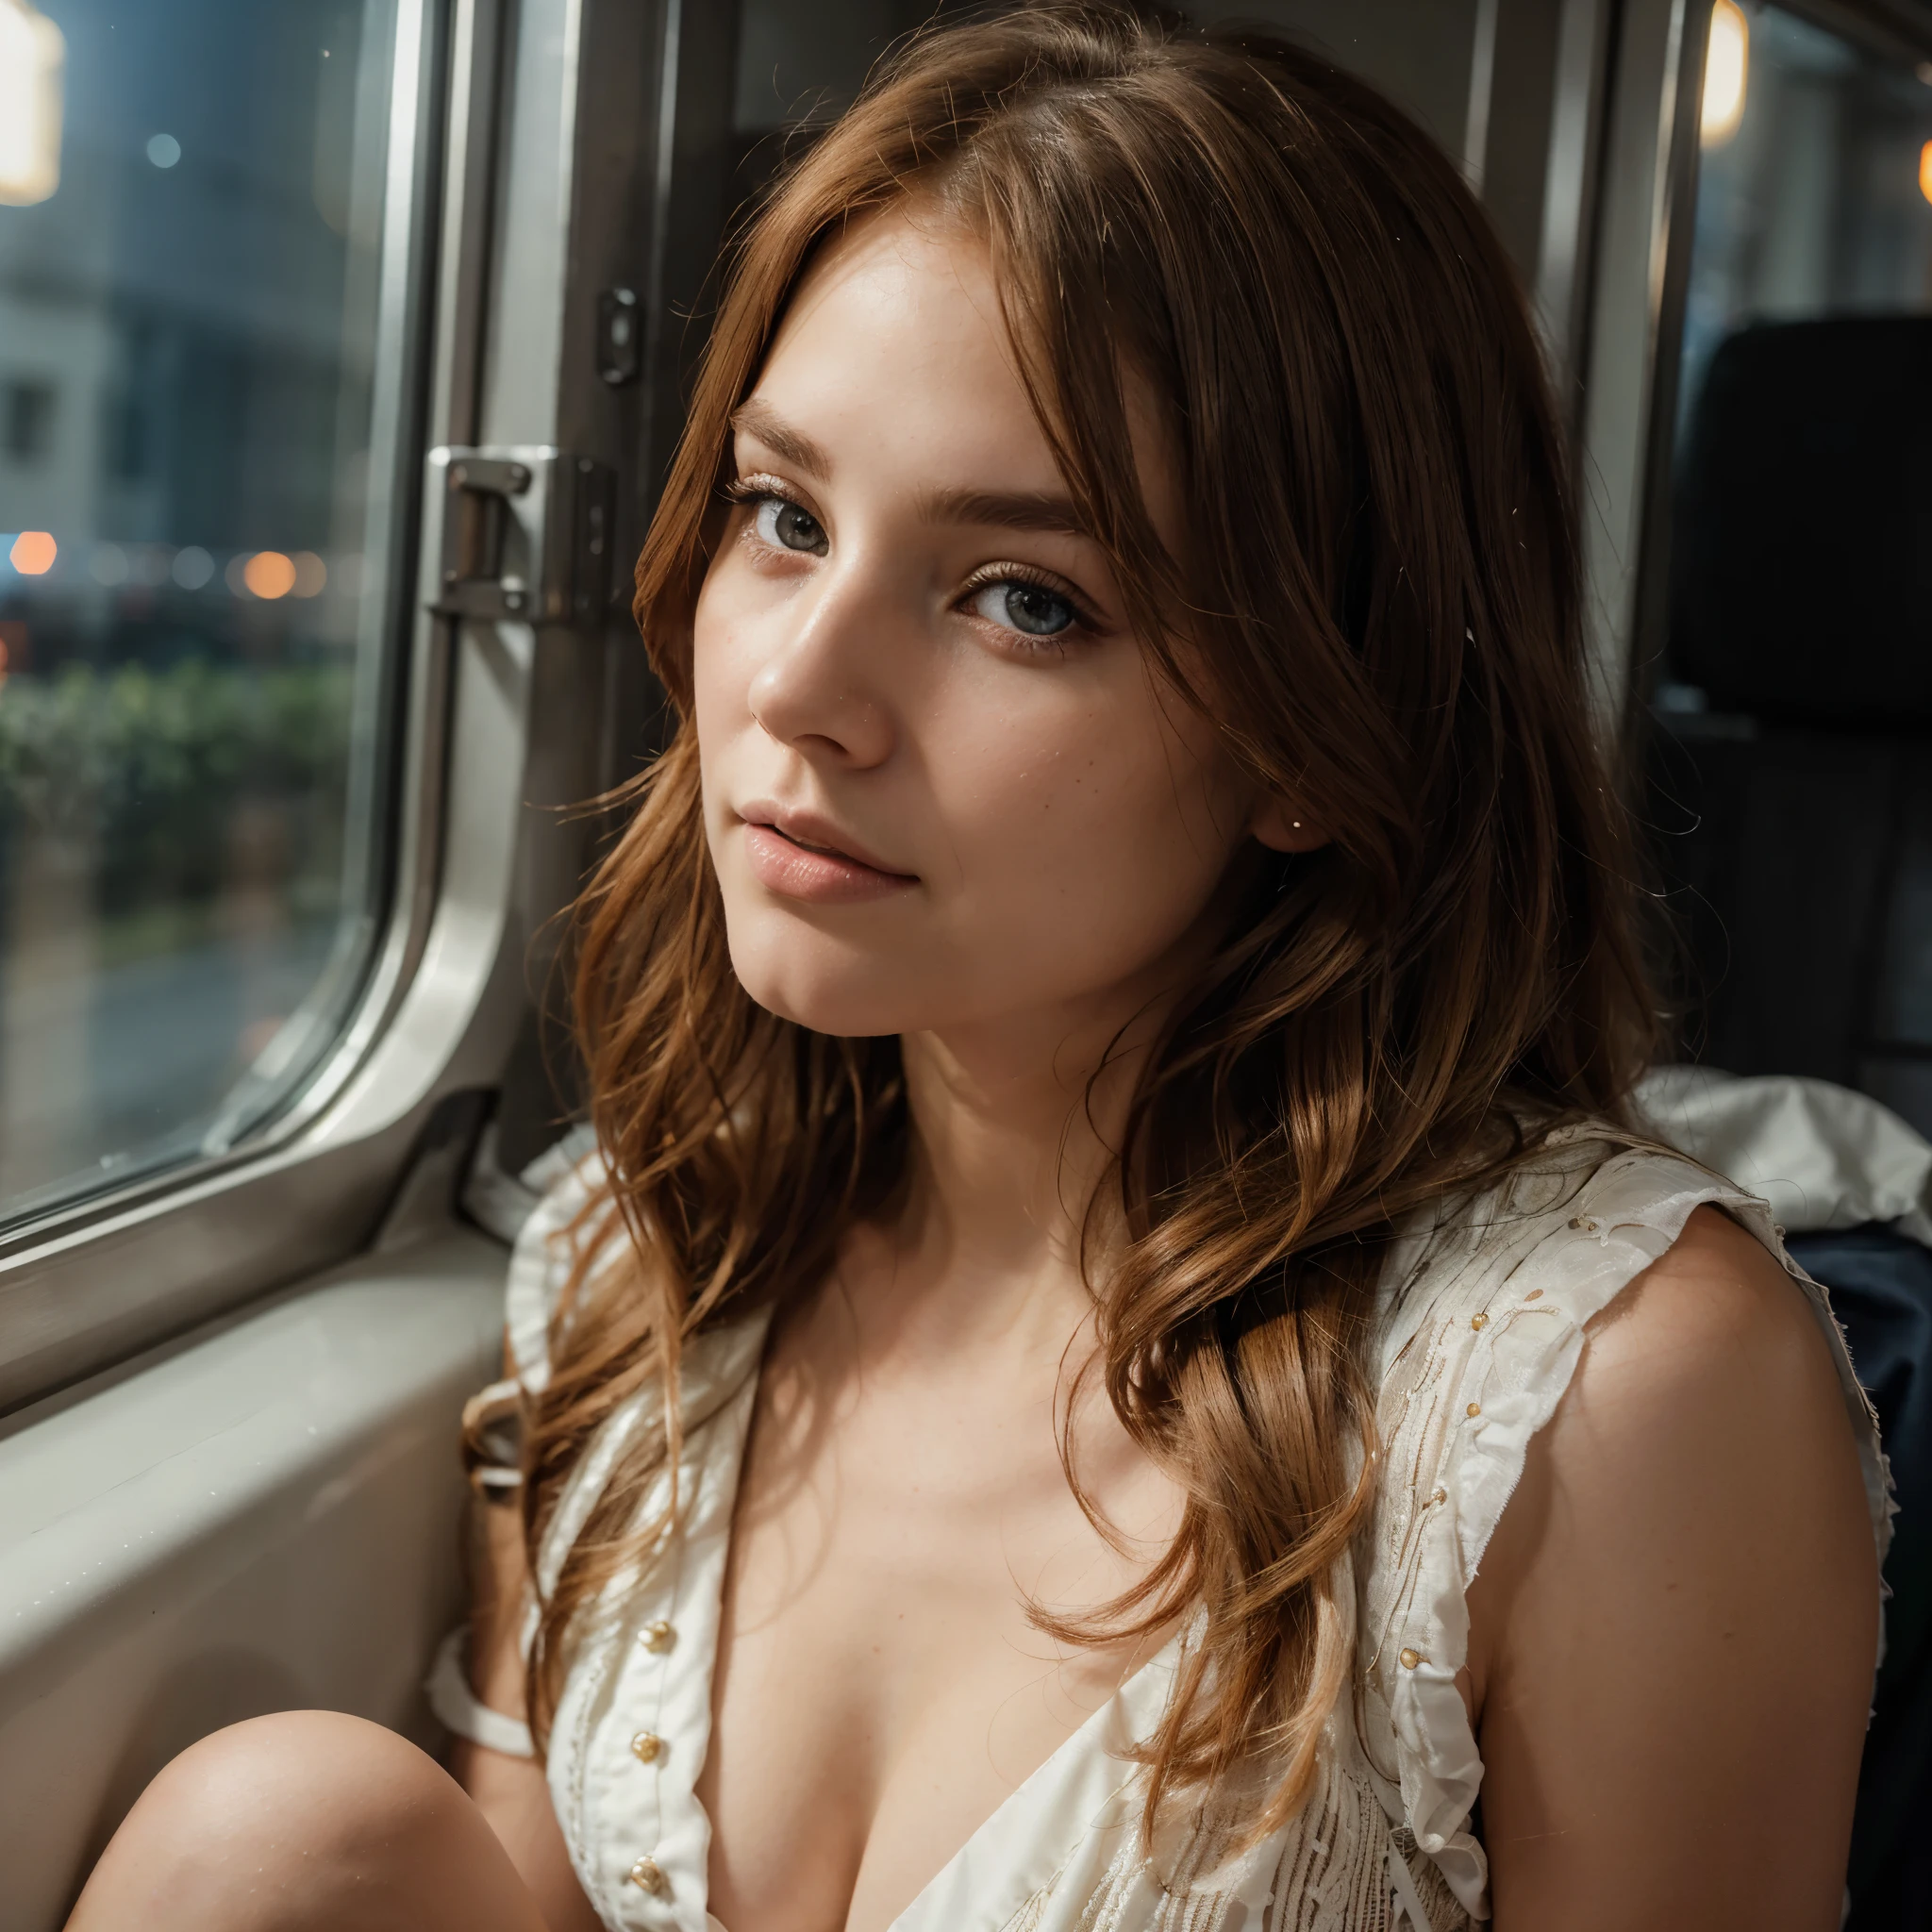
{"points": [[526, 533]]}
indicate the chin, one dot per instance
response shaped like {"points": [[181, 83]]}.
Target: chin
{"points": [[814, 981]]}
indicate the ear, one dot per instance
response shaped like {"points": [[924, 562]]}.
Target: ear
{"points": [[1281, 825]]}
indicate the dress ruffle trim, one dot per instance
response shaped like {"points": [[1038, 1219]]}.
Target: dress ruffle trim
{"points": [[539, 1264], [1514, 1340]]}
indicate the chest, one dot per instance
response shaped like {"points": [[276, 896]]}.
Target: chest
{"points": [[881, 1686]]}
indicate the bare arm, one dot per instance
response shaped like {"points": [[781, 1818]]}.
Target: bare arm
{"points": [[512, 1792], [1673, 1631]]}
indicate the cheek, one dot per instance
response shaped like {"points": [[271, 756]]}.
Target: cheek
{"points": [[1094, 833], [719, 681], [726, 658]]}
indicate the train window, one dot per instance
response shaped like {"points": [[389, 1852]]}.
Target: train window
{"points": [[1793, 703], [192, 568]]}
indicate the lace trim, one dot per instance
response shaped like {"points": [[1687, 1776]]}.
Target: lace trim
{"points": [[1338, 1867]]}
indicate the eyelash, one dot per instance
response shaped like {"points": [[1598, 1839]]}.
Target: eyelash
{"points": [[990, 574], [757, 489]]}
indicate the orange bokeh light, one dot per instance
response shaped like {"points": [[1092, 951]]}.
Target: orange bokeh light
{"points": [[33, 552], [269, 573], [1925, 171]]}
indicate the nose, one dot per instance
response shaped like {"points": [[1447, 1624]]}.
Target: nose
{"points": [[820, 691]]}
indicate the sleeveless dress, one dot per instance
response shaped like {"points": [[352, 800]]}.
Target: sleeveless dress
{"points": [[1481, 1316]]}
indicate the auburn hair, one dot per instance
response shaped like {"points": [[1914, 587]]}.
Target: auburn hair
{"points": [[1379, 591]]}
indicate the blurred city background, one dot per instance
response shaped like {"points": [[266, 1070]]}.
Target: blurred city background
{"points": [[188, 328]]}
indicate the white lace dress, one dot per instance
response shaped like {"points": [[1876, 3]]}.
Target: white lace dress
{"points": [[1481, 1326]]}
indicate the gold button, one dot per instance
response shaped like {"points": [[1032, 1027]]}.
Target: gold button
{"points": [[1440, 1496], [1474, 1408], [658, 1636], [645, 1746], [1478, 1320], [649, 1873], [1583, 1224], [1536, 1294], [1411, 1658]]}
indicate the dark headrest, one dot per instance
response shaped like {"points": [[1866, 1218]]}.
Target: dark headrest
{"points": [[1801, 543]]}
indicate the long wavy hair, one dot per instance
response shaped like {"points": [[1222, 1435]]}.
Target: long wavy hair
{"points": [[1379, 588]]}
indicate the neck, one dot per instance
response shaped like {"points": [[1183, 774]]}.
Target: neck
{"points": [[1014, 1124]]}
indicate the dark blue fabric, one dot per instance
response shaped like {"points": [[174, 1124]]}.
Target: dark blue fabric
{"points": [[1881, 1289]]}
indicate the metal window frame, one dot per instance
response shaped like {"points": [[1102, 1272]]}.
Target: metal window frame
{"points": [[523, 178], [1633, 334], [95, 1279]]}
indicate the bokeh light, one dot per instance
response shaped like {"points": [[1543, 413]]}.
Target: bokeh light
{"points": [[269, 574], [33, 552]]}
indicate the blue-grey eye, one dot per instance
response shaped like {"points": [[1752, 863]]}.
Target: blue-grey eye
{"points": [[1029, 609], [786, 526]]}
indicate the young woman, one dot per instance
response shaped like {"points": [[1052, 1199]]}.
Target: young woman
{"points": [[1117, 1362]]}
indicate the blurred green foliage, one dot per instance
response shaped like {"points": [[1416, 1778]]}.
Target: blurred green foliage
{"points": [[165, 774]]}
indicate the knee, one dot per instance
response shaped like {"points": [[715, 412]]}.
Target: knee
{"points": [[313, 1777], [275, 1822]]}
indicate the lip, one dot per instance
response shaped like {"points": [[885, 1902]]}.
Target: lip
{"points": [[799, 855]]}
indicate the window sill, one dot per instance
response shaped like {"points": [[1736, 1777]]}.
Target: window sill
{"points": [[260, 1517]]}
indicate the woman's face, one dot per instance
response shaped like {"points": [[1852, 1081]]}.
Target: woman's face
{"points": [[943, 786]]}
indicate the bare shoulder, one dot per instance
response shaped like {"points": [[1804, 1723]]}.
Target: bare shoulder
{"points": [[1673, 1630], [1705, 1414], [1715, 1315]]}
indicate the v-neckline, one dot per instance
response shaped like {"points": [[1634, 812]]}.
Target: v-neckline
{"points": [[1080, 1775]]}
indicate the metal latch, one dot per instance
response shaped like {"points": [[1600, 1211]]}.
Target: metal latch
{"points": [[526, 533]]}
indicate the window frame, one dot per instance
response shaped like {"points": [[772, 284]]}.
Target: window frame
{"points": [[522, 181], [88, 1282]]}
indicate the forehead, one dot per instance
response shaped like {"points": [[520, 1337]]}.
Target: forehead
{"points": [[894, 343]]}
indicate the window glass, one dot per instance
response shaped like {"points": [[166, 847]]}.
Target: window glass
{"points": [[190, 226], [1791, 748]]}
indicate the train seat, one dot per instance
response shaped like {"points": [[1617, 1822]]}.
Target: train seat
{"points": [[1791, 762]]}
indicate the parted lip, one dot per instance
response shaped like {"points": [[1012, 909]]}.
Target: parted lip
{"points": [[816, 834]]}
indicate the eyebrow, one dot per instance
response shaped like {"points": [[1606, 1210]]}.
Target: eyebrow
{"points": [[1006, 509], [793, 445]]}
